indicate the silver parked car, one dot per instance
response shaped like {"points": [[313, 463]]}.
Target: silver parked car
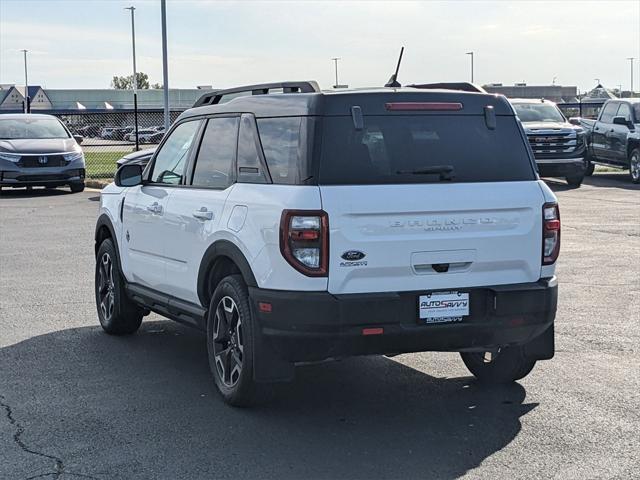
{"points": [[38, 150]]}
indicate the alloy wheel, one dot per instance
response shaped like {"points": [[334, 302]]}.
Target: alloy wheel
{"points": [[634, 166], [228, 342], [106, 287]]}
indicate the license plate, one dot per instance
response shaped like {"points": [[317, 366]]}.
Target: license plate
{"points": [[440, 307]]}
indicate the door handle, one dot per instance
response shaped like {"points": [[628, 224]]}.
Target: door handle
{"points": [[155, 207], [203, 214]]}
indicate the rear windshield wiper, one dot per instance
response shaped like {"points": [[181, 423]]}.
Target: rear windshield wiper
{"points": [[446, 172]]}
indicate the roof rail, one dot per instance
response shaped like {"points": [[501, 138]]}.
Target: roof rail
{"points": [[213, 98], [463, 86]]}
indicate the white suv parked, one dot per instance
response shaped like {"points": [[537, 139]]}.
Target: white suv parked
{"points": [[306, 225]]}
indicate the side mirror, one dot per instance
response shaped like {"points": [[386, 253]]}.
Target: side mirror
{"points": [[78, 138], [623, 121], [129, 175], [575, 121]]}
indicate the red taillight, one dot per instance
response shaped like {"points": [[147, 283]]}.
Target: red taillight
{"points": [[550, 233], [372, 331], [304, 241], [448, 106]]}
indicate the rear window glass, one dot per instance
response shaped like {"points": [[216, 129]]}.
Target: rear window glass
{"points": [[420, 149]]}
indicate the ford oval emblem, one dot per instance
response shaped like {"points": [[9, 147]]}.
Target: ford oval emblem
{"points": [[353, 255]]}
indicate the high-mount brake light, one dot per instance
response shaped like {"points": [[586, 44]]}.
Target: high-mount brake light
{"points": [[432, 106], [550, 233], [304, 241]]}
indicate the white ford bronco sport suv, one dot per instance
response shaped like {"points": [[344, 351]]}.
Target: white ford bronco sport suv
{"points": [[304, 225]]}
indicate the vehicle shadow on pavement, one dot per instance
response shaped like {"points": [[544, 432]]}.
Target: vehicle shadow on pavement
{"points": [[34, 192], [598, 179], [611, 179], [144, 406]]}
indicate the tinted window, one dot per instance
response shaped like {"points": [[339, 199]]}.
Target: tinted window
{"points": [[30, 128], [609, 112], [636, 111], [284, 145], [538, 112], [217, 154], [624, 111], [250, 166], [171, 159], [417, 149]]}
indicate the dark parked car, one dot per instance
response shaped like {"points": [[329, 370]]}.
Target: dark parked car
{"points": [[614, 138], [141, 157], [558, 146], [38, 150]]}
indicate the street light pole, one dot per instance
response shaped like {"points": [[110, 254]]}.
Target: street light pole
{"points": [[471, 54], [135, 76], [26, 84], [335, 61], [631, 59], [165, 67]]}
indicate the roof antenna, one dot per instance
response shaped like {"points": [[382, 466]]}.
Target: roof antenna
{"points": [[393, 81]]}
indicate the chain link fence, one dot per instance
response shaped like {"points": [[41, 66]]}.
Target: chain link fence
{"points": [[108, 136]]}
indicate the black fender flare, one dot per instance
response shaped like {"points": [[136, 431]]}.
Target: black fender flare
{"points": [[222, 248], [105, 222]]}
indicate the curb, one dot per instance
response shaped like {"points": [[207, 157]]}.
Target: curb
{"points": [[99, 184]]}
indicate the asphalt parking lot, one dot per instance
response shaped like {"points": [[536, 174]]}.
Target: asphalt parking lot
{"points": [[77, 403]]}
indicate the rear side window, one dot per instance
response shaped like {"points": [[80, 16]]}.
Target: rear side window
{"points": [[426, 148], [215, 163], [283, 142], [609, 112]]}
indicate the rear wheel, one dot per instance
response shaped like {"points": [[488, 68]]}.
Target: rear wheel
{"points": [[634, 165], [230, 342], [504, 365], [118, 315]]}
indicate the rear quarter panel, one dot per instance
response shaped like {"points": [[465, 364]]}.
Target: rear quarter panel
{"points": [[258, 236]]}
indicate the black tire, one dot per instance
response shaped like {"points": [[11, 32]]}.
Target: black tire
{"points": [[76, 187], [590, 167], [575, 180], [508, 365], [118, 315], [634, 165], [230, 342]]}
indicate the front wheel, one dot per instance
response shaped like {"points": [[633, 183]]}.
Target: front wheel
{"points": [[77, 187], [590, 167], [634, 165], [504, 365], [575, 180], [118, 315], [230, 342]]}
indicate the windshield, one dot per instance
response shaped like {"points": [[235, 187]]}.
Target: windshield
{"points": [[31, 128], [422, 148], [538, 112]]}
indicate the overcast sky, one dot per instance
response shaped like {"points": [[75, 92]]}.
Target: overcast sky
{"points": [[82, 44]]}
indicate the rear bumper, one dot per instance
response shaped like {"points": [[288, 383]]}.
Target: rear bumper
{"points": [[311, 326]]}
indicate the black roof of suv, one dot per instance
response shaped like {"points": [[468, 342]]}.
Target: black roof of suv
{"points": [[310, 102]]}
